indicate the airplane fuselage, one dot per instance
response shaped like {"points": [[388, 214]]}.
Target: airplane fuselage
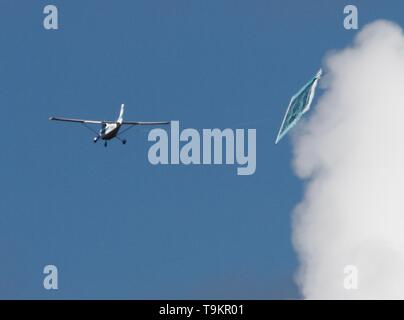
{"points": [[109, 131]]}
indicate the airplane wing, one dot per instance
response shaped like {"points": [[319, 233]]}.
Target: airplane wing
{"points": [[78, 120], [299, 105], [137, 123]]}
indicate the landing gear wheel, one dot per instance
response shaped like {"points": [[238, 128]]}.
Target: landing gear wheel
{"points": [[105, 144], [124, 141]]}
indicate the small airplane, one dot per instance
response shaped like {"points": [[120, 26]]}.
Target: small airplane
{"points": [[109, 129]]}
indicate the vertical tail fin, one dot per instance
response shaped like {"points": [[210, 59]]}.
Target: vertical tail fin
{"points": [[120, 118]]}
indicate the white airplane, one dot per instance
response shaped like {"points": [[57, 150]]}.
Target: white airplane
{"points": [[109, 129]]}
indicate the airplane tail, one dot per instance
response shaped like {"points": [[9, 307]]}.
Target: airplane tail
{"points": [[120, 118]]}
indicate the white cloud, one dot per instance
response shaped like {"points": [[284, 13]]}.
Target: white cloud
{"points": [[351, 154]]}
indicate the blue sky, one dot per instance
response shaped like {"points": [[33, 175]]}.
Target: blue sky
{"points": [[113, 224]]}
